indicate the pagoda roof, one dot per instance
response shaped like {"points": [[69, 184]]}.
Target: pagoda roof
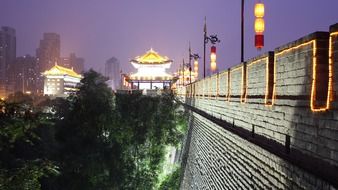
{"points": [[151, 57], [59, 70]]}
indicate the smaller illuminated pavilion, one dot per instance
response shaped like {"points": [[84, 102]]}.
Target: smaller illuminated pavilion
{"points": [[151, 72], [60, 81]]}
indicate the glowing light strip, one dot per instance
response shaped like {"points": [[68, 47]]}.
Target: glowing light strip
{"points": [[196, 89], [275, 65], [217, 85], [229, 86], [230, 82], [267, 74], [314, 74], [209, 85], [203, 90], [225, 80], [330, 85], [247, 77], [243, 99]]}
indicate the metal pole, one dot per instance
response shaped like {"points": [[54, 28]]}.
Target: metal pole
{"points": [[183, 72], [242, 32], [190, 62], [204, 44]]}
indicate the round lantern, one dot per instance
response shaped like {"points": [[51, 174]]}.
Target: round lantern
{"points": [[196, 68], [259, 10], [213, 65], [259, 25]]}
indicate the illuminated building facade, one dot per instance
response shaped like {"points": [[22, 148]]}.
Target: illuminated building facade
{"points": [[151, 71], [7, 59], [60, 81]]}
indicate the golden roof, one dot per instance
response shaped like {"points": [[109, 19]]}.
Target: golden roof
{"points": [[151, 57], [58, 70]]}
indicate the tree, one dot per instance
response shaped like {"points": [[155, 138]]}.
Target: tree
{"points": [[86, 138], [91, 140], [22, 158], [172, 181]]}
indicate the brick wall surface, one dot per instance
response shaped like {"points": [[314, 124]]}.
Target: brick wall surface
{"points": [[220, 160], [301, 75]]}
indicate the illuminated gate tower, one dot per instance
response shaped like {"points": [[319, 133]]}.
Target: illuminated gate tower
{"points": [[151, 72]]}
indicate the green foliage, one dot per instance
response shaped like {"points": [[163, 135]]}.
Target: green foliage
{"points": [[92, 140], [149, 124], [172, 181], [22, 158]]}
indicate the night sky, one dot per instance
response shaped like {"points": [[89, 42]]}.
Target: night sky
{"points": [[100, 29]]}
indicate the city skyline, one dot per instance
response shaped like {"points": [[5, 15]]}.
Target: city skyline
{"points": [[101, 30]]}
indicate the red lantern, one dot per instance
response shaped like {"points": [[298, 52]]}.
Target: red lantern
{"points": [[259, 41]]}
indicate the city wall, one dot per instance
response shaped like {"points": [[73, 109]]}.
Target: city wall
{"points": [[268, 123]]}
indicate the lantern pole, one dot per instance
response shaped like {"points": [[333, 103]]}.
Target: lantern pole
{"points": [[189, 63], [212, 38], [194, 56], [204, 44], [242, 31], [183, 72]]}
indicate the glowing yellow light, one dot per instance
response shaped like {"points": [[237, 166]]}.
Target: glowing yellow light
{"points": [[58, 70], [314, 74], [217, 85], [259, 25], [247, 76], [229, 86], [213, 65], [196, 68], [229, 93], [275, 65], [267, 83], [259, 10], [151, 57], [243, 98]]}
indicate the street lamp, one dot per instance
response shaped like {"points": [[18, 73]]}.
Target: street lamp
{"points": [[212, 38], [259, 27], [194, 56]]}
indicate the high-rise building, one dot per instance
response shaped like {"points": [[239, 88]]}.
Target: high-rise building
{"points": [[48, 52], [112, 72], [77, 63], [7, 57], [24, 74]]}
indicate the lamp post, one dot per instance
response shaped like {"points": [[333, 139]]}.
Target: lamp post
{"points": [[242, 32], [194, 56], [212, 38], [183, 70]]}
